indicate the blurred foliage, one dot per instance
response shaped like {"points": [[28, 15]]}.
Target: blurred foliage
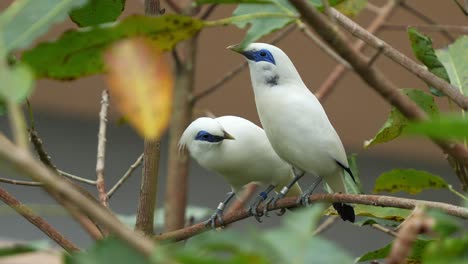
{"points": [[108, 10], [408, 180], [455, 60], [441, 127]]}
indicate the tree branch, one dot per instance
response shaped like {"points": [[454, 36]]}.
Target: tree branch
{"points": [[17, 182], [38, 221], [24, 163], [231, 74], [451, 91], [150, 173], [382, 15], [208, 11], [435, 28], [101, 149], [291, 202], [371, 75], [126, 175]]}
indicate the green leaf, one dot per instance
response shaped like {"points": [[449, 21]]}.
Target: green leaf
{"points": [[15, 249], [441, 127], [445, 225], [422, 49], [77, 53], [202, 2], [261, 26], [455, 60], [16, 82], [96, 12], [351, 8], [450, 250], [408, 180], [351, 186], [367, 220], [416, 253], [25, 20], [109, 250], [396, 123], [386, 213]]}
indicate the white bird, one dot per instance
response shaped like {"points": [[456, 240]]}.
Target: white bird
{"points": [[295, 121], [238, 150]]}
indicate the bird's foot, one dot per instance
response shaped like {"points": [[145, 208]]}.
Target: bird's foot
{"points": [[279, 196], [217, 215], [265, 206], [253, 208], [304, 199]]}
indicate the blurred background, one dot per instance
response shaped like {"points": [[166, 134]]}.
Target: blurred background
{"points": [[66, 117]]}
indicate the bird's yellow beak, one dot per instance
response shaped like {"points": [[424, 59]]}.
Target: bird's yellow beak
{"points": [[235, 48], [228, 136]]}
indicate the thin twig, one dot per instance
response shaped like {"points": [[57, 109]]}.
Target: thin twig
{"points": [[77, 178], [18, 124], [101, 149], [291, 202], [435, 28], [17, 182], [425, 18], [231, 74], [372, 75], [451, 91], [387, 231], [25, 164], [126, 176], [174, 6], [324, 47], [208, 11], [38, 221], [327, 86], [325, 224]]}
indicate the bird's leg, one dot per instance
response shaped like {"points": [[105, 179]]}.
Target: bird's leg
{"points": [[260, 198], [304, 199], [297, 175], [218, 214]]}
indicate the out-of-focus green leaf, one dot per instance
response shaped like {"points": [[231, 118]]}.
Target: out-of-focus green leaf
{"points": [[16, 82], [3, 107], [109, 250], [445, 224], [21, 248], [351, 8], [202, 2], [442, 127], [408, 180], [455, 60], [96, 12], [449, 250], [397, 123], [367, 220], [416, 254], [25, 20], [350, 185], [422, 49], [78, 53]]}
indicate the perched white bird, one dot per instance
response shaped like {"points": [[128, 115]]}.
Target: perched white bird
{"points": [[238, 150], [295, 121]]}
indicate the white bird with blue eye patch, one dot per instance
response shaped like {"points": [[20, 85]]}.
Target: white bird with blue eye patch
{"points": [[295, 121], [238, 150]]}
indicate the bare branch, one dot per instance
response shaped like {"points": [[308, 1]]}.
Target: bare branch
{"points": [[77, 178], [231, 74], [174, 6], [325, 224], [101, 149], [291, 202], [424, 18], [17, 182], [384, 229], [451, 91], [127, 175], [435, 28], [208, 11], [38, 221], [24, 163], [327, 86]]}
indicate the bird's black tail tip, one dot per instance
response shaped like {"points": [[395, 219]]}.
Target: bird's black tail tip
{"points": [[346, 211]]}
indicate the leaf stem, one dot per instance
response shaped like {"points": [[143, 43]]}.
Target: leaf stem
{"points": [[450, 187], [18, 124]]}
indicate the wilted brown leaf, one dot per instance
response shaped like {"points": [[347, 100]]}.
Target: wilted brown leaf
{"points": [[141, 83]]}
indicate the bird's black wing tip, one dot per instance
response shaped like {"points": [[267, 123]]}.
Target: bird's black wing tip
{"points": [[347, 169], [345, 211]]}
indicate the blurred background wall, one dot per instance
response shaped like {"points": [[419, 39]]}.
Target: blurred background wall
{"points": [[67, 120]]}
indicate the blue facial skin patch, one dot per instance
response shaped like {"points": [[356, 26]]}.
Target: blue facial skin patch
{"points": [[205, 136], [259, 55]]}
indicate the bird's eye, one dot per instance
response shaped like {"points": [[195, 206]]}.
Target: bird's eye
{"points": [[263, 54], [205, 136]]}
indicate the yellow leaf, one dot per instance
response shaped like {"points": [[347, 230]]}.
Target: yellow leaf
{"points": [[141, 84]]}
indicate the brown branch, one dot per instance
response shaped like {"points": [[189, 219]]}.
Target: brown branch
{"points": [[177, 177], [154, 7], [38, 221], [17, 182], [420, 71], [384, 229], [208, 11], [231, 74], [425, 18], [174, 6], [125, 177], [24, 163], [291, 202], [327, 86], [238, 204], [435, 28], [101, 149], [373, 76], [150, 173], [77, 178]]}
